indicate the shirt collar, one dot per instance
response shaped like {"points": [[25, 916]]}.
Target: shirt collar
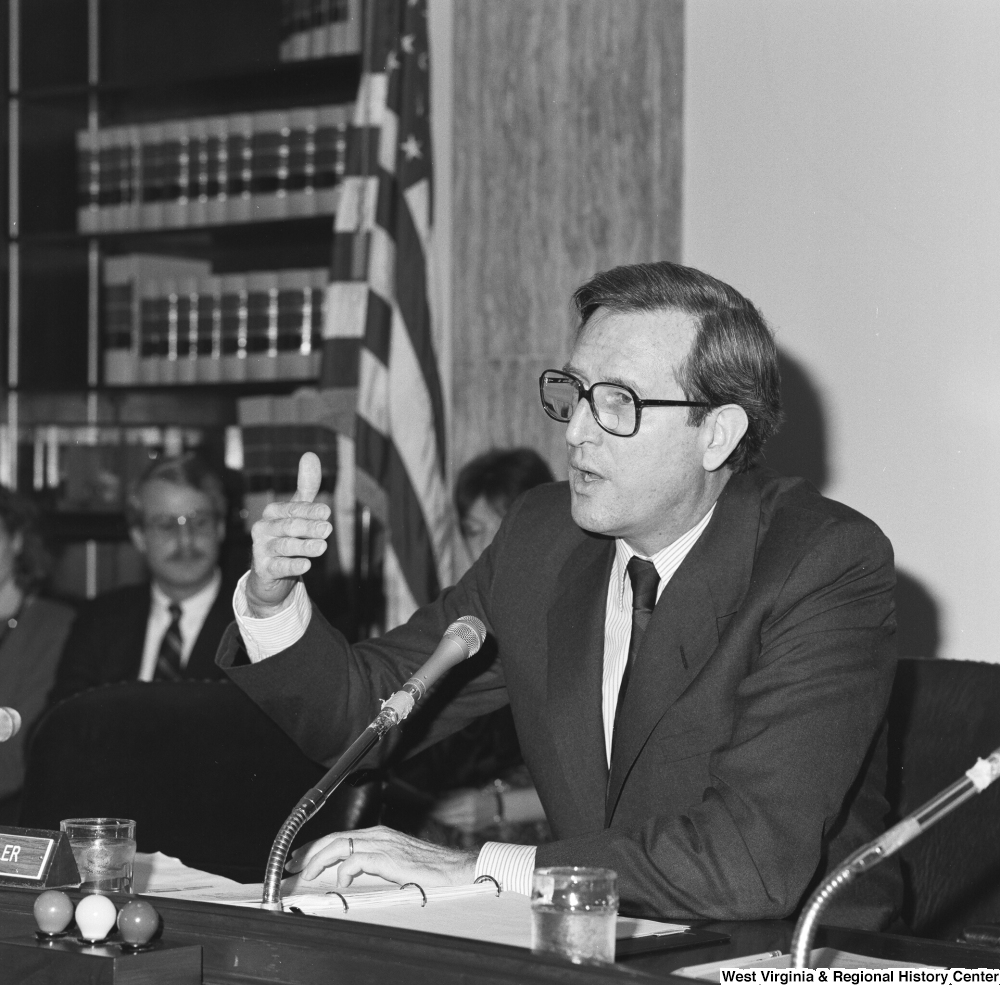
{"points": [[202, 599], [666, 561]]}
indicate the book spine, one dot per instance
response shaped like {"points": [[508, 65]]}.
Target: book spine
{"points": [[120, 318], [110, 168], [320, 281], [269, 156], [151, 212], [132, 212], [301, 180], [331, 156], [234, 327], [187, 329], [218, 169], [87, 183], [175, 157], [209, 363], [262, 326], [123, 171], [152, 331], [168, 347], [239, 168], [198, 171]]}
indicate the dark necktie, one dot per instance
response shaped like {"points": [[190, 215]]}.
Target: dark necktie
{"points": [[168, 663], [645, 580]]}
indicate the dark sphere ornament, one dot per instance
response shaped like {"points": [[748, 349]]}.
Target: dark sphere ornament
{"points": [[138, 922]]}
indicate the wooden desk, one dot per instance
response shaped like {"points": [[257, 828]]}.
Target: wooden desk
{"points": [[243, 946]]}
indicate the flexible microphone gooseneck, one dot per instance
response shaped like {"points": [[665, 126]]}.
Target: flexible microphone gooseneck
{"points": [[461, 640], [975, 780]]}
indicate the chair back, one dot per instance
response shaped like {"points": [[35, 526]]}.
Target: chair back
{"points": [[943, 716], [206, 775]]}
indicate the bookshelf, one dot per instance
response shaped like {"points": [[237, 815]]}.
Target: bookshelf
{"points": [[171, 182]]}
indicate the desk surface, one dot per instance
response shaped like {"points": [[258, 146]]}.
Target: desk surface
{"points": [[256, 946]]}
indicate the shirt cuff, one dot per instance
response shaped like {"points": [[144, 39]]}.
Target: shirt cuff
{"points": [[511, 865], [265, 637]]}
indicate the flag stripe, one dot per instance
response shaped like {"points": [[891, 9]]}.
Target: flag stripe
{"points": [[378, 331], [340, 363], [373, 404], [410, 537], [356, 208], [346, 308]]}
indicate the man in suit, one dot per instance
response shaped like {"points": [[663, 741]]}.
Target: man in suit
{"points": [[168, 628], [697, 652]]}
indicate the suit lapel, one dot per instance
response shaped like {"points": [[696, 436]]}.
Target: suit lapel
{"points": [[123, 658], [684, 630], [575, 669], [201, 663]]}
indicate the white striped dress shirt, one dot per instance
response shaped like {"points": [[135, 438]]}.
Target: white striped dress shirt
{"points": [[510, 865]]}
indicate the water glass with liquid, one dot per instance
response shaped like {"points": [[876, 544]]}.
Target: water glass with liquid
{"points": [[104, 849], [574, 913]]}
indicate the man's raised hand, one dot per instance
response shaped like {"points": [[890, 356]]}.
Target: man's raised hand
{"points": [[285, 538]]}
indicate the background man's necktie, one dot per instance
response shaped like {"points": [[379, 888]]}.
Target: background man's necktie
{"points": [[645, 581], [168, 663]]}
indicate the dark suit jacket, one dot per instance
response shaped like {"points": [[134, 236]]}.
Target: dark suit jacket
{"points": [[105, 644], [752, 751]]}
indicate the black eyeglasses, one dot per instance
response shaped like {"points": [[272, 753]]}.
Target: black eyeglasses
{"points": [[616, 408], [198, 524]]}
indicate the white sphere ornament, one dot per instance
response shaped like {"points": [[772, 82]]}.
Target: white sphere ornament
{"points": [[95, 916]]}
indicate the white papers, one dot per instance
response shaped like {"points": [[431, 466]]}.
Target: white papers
{"points": [[158, 873]]}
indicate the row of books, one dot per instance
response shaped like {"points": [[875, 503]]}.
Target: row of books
{"points": [[90, 467], [170, 321], [319, 29], [212, 170]]}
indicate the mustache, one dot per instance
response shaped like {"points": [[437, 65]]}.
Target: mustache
{"points": [[186, 554]]}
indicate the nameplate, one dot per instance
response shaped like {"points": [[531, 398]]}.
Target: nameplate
{"points": [[32, 857]]}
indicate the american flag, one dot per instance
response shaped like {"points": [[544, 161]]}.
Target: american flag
{"points": [[378, 332]]}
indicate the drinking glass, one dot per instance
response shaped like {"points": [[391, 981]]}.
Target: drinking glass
{"points": [[104, 849], [574, 913]]}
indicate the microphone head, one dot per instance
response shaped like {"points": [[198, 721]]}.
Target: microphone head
{"points": [[10, 723], [469, 632]]}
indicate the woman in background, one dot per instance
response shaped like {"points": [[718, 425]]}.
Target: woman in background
{"points": [[473, 786], [32, 633]]}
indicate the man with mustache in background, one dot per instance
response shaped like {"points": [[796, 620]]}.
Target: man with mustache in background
{"points": [[167, 628]]}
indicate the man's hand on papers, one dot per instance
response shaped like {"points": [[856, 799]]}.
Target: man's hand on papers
{"points": [[387, 853], [284, 540]]}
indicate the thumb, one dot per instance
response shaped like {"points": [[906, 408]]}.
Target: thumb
{"points": [[310, 476]]}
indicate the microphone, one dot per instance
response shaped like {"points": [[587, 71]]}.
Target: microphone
{"points": [[10, 723], [975, 780], [461, 640]]}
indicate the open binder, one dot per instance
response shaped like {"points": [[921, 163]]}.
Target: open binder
{"points": [[334, 902], [478, 911]]}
